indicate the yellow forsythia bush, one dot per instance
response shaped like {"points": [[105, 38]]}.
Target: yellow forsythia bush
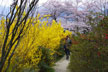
{"points": [[28, 53]]}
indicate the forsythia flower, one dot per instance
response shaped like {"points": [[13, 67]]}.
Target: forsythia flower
{"points": [[28, 54]]}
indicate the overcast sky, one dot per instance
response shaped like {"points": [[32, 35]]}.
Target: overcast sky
{"points": [[7, 3]]}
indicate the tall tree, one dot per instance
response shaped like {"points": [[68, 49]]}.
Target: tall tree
{"points": [[54, 8]]}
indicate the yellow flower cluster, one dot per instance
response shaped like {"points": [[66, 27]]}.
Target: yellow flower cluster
{"points": [[28, 54]]}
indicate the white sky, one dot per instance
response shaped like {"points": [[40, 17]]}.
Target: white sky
{"points": [[9, 2], [5, 2]]}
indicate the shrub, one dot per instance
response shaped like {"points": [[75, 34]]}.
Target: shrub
{"points": [[28, 54], [91, 53]]}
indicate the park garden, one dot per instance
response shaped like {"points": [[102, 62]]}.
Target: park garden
{"points": [[33, 41]]}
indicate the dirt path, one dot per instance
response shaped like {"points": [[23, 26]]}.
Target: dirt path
{"points": [[61, 66]]}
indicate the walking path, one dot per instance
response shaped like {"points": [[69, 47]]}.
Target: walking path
{"points": [[61, 66]]}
